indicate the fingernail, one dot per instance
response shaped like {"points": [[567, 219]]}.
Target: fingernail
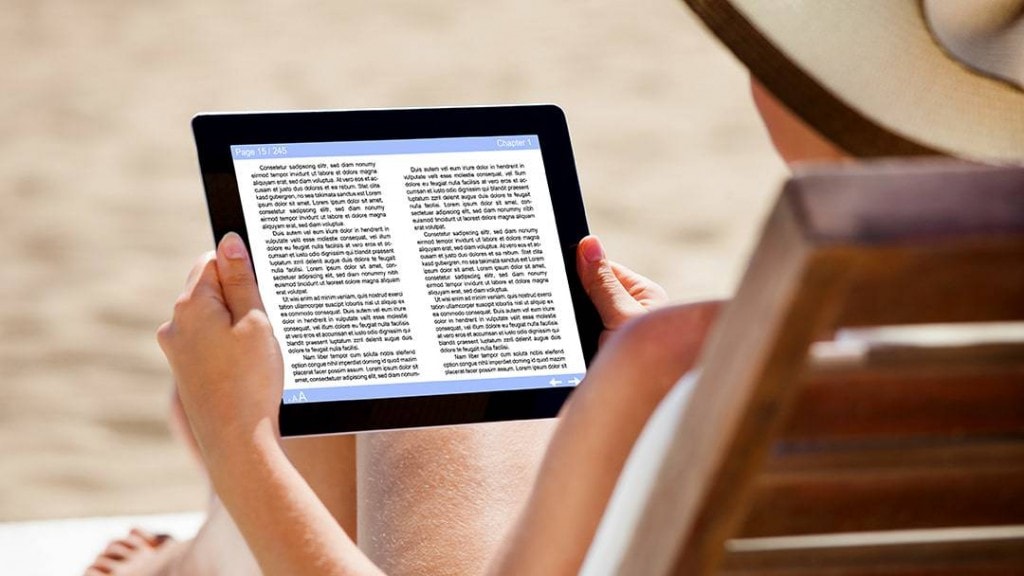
{"points": [[593, 252], [233, 246]]}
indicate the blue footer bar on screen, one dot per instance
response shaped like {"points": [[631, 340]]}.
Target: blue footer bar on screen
{"points": [[405, 390]]}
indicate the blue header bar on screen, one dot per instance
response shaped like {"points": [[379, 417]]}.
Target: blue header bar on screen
{"points": [[381, 147]]}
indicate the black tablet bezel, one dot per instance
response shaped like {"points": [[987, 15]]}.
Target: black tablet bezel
{"points": [[216, 133]]}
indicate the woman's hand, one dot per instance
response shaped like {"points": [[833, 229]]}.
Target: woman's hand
{"points": [[230, 376], [225, 359], [618, 293]]}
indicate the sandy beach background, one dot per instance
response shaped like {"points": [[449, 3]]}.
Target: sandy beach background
{"points": [[102, 210]]}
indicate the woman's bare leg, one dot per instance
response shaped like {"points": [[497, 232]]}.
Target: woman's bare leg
{"points": [[438, 501], [441, 501], [434, 501]]}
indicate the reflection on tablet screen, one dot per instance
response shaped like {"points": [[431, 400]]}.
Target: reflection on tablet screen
{"points": [[395, 268]]}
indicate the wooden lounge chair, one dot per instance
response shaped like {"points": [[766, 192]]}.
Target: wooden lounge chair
{"points": [[812, 443]]}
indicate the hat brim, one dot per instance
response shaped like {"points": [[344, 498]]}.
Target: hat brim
{"points": [[869, 77]]}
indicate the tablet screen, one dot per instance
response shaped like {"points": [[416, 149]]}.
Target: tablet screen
{"points": [[416, 267]]}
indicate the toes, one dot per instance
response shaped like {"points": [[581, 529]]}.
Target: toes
{"points": [[104, 565], [148, 537], [129, 542], [118, 550], [152, 540], [137, 541]]}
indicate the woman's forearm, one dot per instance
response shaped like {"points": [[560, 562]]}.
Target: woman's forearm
{"points": [[285, 525]]}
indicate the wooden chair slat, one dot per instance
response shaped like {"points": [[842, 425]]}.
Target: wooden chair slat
{"points": [[1006, 453], [885, 402], [873, 490], [982, 551], [971, 280]]}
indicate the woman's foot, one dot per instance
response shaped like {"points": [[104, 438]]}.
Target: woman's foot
{"points": [[138, 554]]}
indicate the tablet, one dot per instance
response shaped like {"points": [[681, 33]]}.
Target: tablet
{"points": [[417, 265]]}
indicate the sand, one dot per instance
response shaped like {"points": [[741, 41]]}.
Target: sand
{"points": [[103, 212]]}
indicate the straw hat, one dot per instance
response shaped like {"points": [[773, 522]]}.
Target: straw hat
{"points": [[889, 77]]}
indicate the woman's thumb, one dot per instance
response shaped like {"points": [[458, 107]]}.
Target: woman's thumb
{"points": [[237, 279], [613, 302]]}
